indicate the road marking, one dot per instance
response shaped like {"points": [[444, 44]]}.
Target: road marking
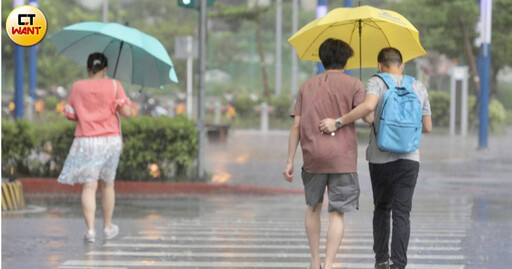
{"points": [[237, 246], [232, 238], [284, 234], [239, 264], [202, 238], [299, 229], [295, 224], [87, 267], [260, 255]]}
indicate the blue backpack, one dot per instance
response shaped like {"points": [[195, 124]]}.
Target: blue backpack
{"points": [[400, 123]]}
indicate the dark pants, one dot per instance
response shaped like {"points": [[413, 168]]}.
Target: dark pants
{"points": [[393, 187]]}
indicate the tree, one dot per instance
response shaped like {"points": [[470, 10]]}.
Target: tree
{"points": [[501, 40], [447, 27], [234, 14], [444, 26]]}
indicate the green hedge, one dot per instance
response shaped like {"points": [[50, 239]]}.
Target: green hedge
{"points": [[440, 106], [40, 150], [18, 139], [282, 106], [244, 106]]}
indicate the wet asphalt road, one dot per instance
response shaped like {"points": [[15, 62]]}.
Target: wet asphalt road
{"points": [[461, 216]]}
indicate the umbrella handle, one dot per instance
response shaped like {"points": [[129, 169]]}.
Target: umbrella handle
{"points": [[119, 55]]}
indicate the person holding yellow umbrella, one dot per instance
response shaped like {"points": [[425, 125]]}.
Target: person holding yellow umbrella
{"points": [[393, 173], [386, 40]]}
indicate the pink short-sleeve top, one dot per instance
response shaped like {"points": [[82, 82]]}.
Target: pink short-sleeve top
{"points": [[94, 105]]}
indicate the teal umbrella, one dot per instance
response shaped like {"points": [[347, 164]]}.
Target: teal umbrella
{"points": [[133, 56]]}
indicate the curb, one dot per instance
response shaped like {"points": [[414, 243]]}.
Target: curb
{"points": [[51, 186]]}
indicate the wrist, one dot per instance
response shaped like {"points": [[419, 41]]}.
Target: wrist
{"points": [[339, 123]]}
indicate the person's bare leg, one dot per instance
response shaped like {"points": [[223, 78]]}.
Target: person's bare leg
{"points": [[108, 201], [334, 237], [89, 203], [313, 230]]}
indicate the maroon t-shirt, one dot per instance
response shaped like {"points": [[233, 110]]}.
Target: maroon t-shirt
{"points": [[328, 95]]}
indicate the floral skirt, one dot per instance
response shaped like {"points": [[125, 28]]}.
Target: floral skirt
{"points": [[90, 159]]}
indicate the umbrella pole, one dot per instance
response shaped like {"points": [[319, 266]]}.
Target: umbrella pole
{"points": [[360, 52], [119, 55]]}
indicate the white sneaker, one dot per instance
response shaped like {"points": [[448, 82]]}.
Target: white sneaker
{"points": [[90, 236], [112, 232]]}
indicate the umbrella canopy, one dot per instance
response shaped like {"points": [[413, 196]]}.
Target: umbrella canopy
{"points": [[133, 56], [366, 29]]}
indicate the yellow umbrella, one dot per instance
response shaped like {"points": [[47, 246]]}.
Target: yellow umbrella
{"points": [[366, 29]]}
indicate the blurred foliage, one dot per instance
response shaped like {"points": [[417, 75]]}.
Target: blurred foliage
{"points": [[501, 39], [170, 143], [508, 118], [282, 106], [505, 95], [244, 105], [18, 139], [41, 150], [438, 24], [497, 113], [231, 48], [51, 102], [440, 106], [153, 17]]}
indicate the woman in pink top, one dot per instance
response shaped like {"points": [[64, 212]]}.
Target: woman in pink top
{"points": [[94, 103]]}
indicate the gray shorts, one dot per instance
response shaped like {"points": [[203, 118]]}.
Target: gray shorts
{"points": [[343, 190]]}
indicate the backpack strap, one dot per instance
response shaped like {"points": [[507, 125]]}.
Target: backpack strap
{"points": [[115, 88], [407, 82], [390, 83], [118, 116], [388, 80]]}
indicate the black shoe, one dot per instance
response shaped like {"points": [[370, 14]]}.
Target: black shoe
{"points": [[395, 267], [382, 265]]}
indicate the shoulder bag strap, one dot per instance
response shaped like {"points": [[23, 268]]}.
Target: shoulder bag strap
{"points": [[117, 114]]}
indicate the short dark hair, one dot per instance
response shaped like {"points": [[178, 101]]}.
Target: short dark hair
{"points": [[389, 56], [334, 53], [96, 62]]}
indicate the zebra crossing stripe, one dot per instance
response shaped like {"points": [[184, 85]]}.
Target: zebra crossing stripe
{"points": [[234, 224], [283, 234], [87, 267], [295, 246], [230, 239], [300, 229], [260, 255], [221, 240], [97, 263]]}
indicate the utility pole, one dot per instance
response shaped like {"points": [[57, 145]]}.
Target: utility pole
{"points": [[279, 35], [190, 75], [19, 59], [201, 95], [348, 4], [295, 27], [484, 60], [32, 65], [321, 10], [105, 10]]}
